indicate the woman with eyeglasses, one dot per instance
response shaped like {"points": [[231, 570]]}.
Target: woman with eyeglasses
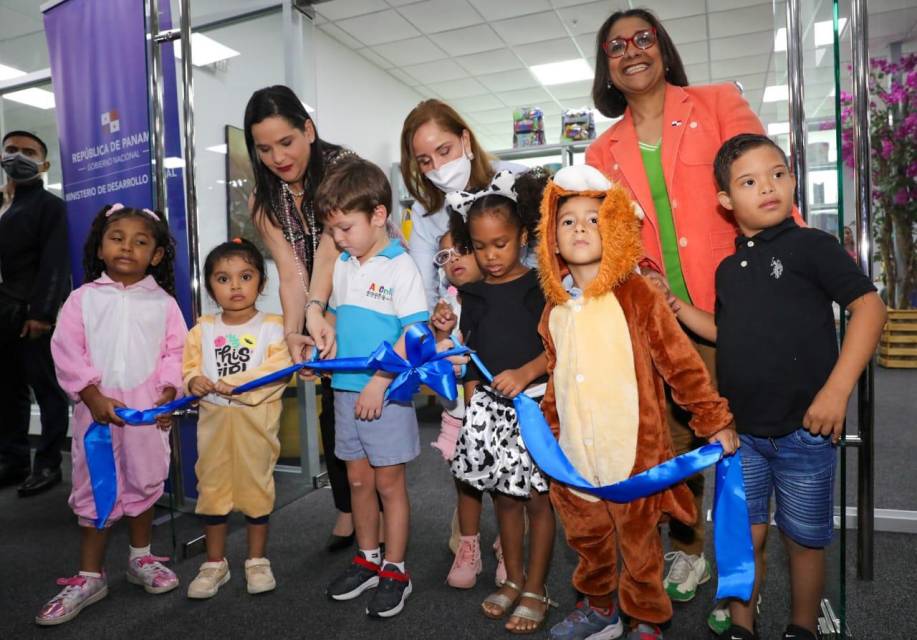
{"points": [[662, 151]]}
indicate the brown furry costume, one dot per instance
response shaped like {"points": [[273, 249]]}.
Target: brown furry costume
{"points": [[609, 354]]}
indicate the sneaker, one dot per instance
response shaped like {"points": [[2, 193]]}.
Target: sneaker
{"points": [[467, 564], [795, 632], [719, 619], [258, 576], [356, 578], [585, 623], [149, 572], [500, 575], [645, 631], [685, 574], [735, 632], [394, 588], [210, 577], [78, 592]]}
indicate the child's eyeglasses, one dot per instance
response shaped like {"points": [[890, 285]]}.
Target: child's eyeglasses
{"points": [[617, 47], [442, 258]]}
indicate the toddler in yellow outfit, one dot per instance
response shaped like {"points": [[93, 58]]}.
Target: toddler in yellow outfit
{"points": [[236, 434]]}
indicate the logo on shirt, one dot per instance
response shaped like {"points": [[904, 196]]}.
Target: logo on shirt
{"points": [[379, 292], [776, 268], [110, 121], [233, 353]]}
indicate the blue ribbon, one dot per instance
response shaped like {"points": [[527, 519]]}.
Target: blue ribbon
{"points": [[422, 366], [735, 557]]}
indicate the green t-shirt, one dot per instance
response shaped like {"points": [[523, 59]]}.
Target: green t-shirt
{"points": [[652, 163]]}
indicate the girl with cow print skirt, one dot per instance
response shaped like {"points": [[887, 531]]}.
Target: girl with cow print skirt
{"points": [[500, 316]]}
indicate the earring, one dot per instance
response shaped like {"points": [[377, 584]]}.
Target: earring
{"points": [[667, 69], [609, 85], [471, 155]]}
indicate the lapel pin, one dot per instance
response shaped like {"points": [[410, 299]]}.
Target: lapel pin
{"points": [[676, 123]]}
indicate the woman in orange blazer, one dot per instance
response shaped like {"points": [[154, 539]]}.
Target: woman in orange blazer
{"points": [[662, 150]]}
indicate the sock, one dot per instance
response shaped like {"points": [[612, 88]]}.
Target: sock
{"points": [[90, 574], [139, 552], [473, 538], [398, 565], [373, 555]]}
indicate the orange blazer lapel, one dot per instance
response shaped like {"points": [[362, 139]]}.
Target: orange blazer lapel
{"points": [[676, 119], [625, 152]]}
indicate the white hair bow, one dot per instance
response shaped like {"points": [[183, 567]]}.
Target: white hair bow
{"points": [[503, 184]]}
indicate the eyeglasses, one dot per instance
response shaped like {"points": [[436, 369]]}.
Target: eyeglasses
{"points": [[442, 258], [617, 47]]}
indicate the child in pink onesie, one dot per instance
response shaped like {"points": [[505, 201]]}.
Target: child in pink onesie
{"points": [[118, 342]]}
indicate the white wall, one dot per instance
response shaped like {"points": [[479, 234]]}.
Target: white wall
{"points": [[359, 105]]}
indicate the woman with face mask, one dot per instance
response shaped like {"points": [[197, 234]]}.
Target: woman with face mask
{"points": [[439, 154]]}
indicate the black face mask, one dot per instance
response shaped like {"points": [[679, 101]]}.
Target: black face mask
{"points": [[19, 168]]}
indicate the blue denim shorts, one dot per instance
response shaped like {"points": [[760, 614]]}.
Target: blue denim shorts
{"points": [[798, 469], [391, 439]]}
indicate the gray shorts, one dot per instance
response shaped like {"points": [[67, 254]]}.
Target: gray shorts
{"points": [[392, 439]]}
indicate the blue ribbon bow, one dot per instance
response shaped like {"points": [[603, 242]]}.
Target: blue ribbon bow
{"points": [[735, 557]]}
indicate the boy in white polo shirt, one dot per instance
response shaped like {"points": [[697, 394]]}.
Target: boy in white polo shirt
{"points": [[377, 294]]}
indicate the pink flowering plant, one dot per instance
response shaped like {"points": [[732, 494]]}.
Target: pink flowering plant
{"points": [[893, 138]]}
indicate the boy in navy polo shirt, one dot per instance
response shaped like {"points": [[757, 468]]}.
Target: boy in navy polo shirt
{"points": [[377, 293], [778, 364]]}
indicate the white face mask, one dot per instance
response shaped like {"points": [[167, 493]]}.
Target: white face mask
{"points": [[452, 176]]}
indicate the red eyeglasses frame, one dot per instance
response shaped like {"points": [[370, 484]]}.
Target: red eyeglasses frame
{"points": [[630, 41]]}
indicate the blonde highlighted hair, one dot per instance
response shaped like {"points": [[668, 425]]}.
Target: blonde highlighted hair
{"points": [[445, 117]]}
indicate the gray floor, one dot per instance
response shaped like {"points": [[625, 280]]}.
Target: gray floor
{"points": [[39, 542]]}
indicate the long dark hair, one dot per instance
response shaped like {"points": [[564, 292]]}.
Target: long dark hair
{"points": [[279, 100], [524, 214], [607, 98], [163, 273]]}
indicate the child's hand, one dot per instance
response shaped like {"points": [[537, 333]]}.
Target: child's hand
{"points": [[164, 420], [728, 438], [200, 386], [825, 415], [222, 388], [674, 302], [657, 279], [369, 404], [511, 382], [443, 318], [101, 407]]}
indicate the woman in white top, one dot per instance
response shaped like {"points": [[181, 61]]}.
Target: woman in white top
{"points": [[439, 154]]}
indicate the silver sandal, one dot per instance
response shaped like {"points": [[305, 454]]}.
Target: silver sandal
{"points": [[527, 613], [499, 600]]}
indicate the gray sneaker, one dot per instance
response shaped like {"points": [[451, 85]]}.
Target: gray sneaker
{"points": [[394, 588], [585, 623], [356, 578]]}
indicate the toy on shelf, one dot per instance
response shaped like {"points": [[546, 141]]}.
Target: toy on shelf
{"points": [[577, 125], [528, 127]]}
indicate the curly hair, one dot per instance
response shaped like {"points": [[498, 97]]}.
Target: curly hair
{"points": [[163, 273], [523, 214]]}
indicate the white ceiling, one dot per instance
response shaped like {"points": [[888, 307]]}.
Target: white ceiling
{"points": [[475, 54]]}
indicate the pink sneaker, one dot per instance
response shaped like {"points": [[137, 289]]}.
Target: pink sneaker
{"points": [[151, 574], [500, 576], [78, 592], [467, 564]]}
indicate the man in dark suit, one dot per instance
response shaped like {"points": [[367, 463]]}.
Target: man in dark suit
{"points": [[34, 282]]}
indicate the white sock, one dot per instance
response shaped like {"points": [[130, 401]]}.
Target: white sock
{"points": [[373, 555], [139, 552], [90, 574], [400, 565]]}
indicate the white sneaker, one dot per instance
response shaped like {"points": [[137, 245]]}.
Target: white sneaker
{"points": [[258, 575], [210, 577], [685, 574]]}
